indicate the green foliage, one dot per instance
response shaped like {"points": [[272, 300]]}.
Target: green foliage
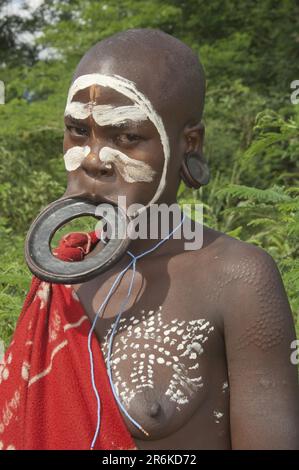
{"points": [[14, 282], [250, 53], [267, 217]]}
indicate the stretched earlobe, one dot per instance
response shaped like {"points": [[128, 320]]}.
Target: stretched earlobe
{"points": [[194, 170]]}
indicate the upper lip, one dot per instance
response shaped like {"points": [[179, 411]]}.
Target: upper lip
{"points": [[90, 196], [100, 175]]}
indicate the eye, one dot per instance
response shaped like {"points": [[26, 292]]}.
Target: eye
{"points": [[77, 131], [128, 138]]}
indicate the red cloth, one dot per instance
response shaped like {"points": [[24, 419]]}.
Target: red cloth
{"points": [[46, 396]]}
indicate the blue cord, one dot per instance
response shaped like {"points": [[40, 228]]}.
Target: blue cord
{"points": [[114, 285]]}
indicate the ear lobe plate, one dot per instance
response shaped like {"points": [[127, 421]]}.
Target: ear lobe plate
{"points": [[195, 171]]}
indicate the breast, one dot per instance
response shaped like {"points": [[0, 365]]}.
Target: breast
{"points": [[158, 366]]}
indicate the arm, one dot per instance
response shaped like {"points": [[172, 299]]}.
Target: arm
{"points": [[259, 329]]}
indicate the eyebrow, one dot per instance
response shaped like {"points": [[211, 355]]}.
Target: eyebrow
{"points": [[125, 124]]}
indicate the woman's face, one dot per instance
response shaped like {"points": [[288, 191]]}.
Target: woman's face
{"points": [[111, 147]]}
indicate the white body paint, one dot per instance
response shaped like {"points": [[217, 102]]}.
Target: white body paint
{"points": [[105, 115], [130, 169], [171, 346], [218, 415], [128, 89], [75, 156], [224, 386]]}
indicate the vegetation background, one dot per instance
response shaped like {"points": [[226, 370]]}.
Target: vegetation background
{"points": [[250, 51]]}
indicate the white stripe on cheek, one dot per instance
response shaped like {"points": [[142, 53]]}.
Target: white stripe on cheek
{"points": [[75, 156], [131, 170]]}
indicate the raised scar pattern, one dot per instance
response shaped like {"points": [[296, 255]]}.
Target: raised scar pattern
{"points": [[265, 329]]}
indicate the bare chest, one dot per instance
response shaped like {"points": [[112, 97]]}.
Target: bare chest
{"points": [[160, 352]]}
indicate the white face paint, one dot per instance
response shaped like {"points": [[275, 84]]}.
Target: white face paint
{"points": [[143, 104], [78, 110], [115, 116], [105, 115], [75, 156], [130, 169]]}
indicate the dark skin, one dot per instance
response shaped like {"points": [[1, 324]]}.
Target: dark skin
{"points": [[232, 285]]}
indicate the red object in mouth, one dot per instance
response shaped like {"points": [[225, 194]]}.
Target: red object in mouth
{"points": [[74, 245]]}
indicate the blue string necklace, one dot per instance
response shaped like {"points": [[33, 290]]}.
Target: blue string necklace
{"points": [[114, 285]]}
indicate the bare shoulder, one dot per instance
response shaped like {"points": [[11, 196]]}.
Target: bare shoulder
{"points": [[236, 259], [258, 331], [248, 288]]}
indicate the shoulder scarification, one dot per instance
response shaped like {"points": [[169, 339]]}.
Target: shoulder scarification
{"points": [[252, 275]]}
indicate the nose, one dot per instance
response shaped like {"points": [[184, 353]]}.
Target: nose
{"points": [[94, 167]]}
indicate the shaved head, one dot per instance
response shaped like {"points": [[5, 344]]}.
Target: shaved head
{"points": [[163, 68]]}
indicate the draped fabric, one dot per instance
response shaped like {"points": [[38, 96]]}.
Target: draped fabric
{"points": [[46, 396]]}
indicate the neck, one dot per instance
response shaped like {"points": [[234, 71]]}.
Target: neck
{"points": [[152, 226]]}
